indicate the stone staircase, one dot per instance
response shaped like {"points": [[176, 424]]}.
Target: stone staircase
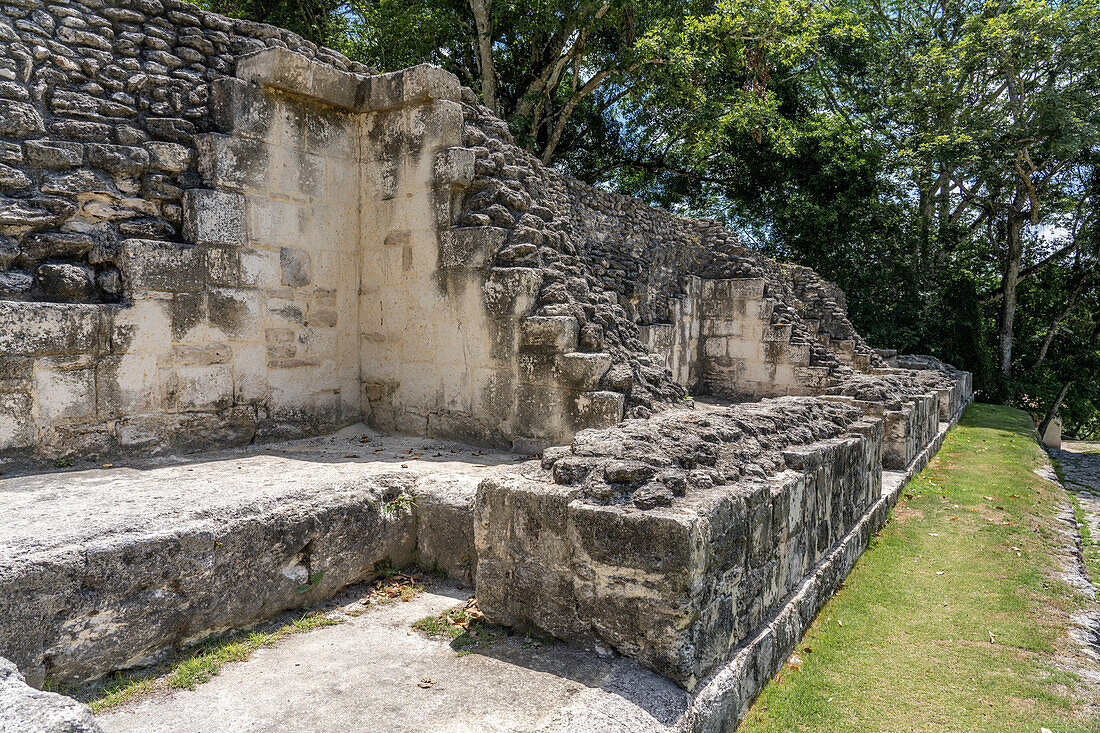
{"points": [[552, 386]]}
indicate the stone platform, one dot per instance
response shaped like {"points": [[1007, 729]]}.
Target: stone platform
{"points": [[110, 567], [365, 673], [698, 544]]}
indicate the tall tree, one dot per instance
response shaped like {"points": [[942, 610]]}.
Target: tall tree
{"points": [[542, 65]]}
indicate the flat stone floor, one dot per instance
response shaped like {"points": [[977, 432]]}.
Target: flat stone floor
{"points": [[365, 674], [61, 510]]}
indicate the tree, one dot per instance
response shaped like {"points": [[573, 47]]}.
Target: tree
{"points": [[319, 21], [541, 65], [990, 105]]}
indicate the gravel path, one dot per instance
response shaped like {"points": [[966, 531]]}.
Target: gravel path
{"points": [[1080, 463]]}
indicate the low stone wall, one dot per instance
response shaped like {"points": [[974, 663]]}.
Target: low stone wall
{"points": [[670, 540], [723, 700], [108, 570]]}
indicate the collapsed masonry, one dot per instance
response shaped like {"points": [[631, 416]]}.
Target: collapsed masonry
{"points": [[213, 233]]}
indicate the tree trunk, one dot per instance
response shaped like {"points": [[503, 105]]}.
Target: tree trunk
{"points": [[1054, 407], [485, 55], [1013, 258]]}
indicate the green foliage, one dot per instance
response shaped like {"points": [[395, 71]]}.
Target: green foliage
{"points": [[321, 21]]}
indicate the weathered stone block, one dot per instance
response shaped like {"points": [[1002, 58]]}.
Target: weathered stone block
{"points": [[49, 328], [53, 154], [64, 281], [16, 421], [293, 73], [418, 84], [511, 291], [64, 389], [582, 371], [234, 163], [454, 167], [163, 266], [19, 119], [596, 410], [241, 108], [117, 159], [549, 334], [470, 247], [675, 586], [23, 708], [213, 217], [296, 267]]}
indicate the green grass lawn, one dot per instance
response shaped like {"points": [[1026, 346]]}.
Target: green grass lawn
{"points": [[952, 620]]}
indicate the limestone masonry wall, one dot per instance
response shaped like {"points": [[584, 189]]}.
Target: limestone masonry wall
{"points": [[100, 105], [214, 232]]}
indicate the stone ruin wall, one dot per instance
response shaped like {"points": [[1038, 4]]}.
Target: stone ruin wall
{"points": [[102, 103], [214, 233], [203, 242]]}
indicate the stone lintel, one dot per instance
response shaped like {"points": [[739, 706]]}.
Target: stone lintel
{"points": [[290, 72]]}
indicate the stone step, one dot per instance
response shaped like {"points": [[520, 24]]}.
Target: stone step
{"points": [[843, 346], [152, 548], [549, 334]]}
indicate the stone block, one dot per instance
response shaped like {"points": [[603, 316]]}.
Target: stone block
{"points": [[277, 67], [677, 586], [295, 74], [549, 334], [23, 708], [469, 247], [64, 389], [119, 160], [418, 84], [163, 266], [126, 385], [233, 163], [241, 108], [36, 329], [53, 154], [582, 371], [512, 290], [213, 217], [596, 410], [205, 388], [169, 157], [454, 167], [296, 267], [16, 421]]}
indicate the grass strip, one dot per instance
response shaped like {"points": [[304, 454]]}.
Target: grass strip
{"points": [[953, 619]]}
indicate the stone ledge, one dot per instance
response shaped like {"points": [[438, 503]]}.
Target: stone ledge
{"points": [[24, 709], [290, 72], [111, 569], [662, 550]]}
